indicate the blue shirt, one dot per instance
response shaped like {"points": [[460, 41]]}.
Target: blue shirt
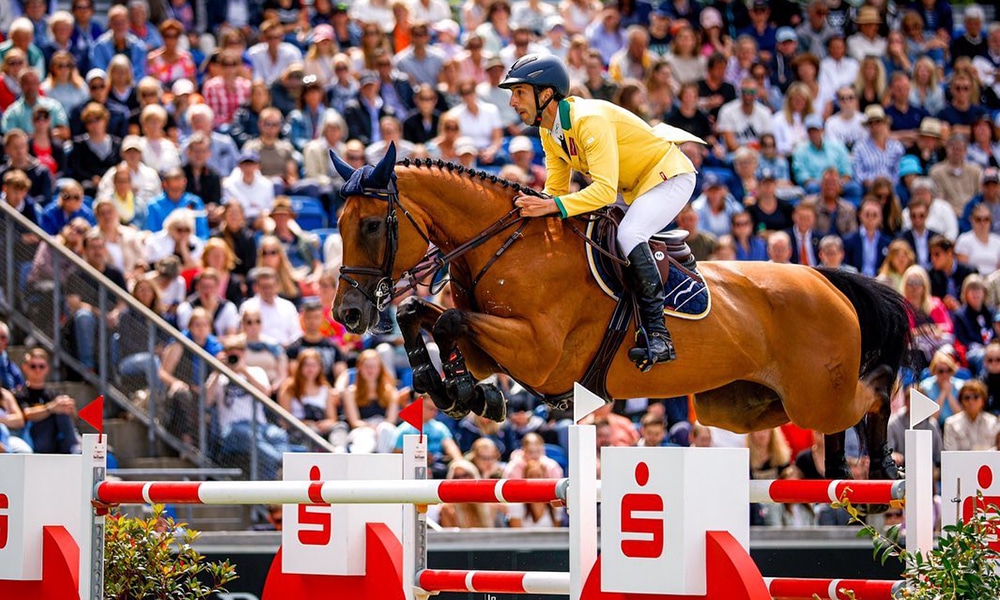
{"points": [[435, 433], [809, 162], [870, 258], [11, 377], [55, 218], [757, 251], [103, 51], [161, 207], [18, 114], [904, 121]]}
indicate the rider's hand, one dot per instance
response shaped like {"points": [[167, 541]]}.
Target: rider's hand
{"points": [[533, 206]]}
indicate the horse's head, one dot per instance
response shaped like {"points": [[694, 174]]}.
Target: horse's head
{"points": [[370, 232]]}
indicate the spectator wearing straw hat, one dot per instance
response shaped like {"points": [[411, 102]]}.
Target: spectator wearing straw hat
{"points": [[929, 146], [879, 154], [867, 41]]}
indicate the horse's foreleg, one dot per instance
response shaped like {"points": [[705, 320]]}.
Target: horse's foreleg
{"points": [[413, 315], [481, 398]]}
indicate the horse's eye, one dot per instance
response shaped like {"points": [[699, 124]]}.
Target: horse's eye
{"points": [[371, 227]]}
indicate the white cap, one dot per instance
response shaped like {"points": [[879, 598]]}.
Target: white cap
{"points": [[181, 87], [465, 145], [520, 144], [96, 74]]}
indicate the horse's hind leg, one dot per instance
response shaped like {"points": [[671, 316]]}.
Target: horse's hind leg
{"points": [[481, 398], [835, 461], [413, 315], [880, 382]]}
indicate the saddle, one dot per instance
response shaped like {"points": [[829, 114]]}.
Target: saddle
{"points": [[686, 295]]}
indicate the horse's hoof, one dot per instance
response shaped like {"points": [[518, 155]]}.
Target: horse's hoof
{"points": [[455, 410], [883, 467], [426, 378], [460, 389], [490, 402]]}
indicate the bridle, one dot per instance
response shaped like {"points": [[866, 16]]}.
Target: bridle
{"points": [[433, 261], [382, 294]]}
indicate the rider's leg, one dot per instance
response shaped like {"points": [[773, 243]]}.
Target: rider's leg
{"points": [[647, 215]]}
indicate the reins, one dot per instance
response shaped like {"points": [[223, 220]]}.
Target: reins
{"points": [[434, 262]]}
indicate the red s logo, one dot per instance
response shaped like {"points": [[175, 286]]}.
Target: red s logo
{"points": [[972, 505], [324, 520], [650, 530], [4, 505]]}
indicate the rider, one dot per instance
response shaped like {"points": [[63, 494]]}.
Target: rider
{"points": [[624, 157]]}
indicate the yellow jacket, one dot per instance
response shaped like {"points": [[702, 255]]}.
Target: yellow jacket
{"points": [[620, 152]]}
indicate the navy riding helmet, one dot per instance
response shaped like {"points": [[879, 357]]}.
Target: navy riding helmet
{"points": [[540, 71]]}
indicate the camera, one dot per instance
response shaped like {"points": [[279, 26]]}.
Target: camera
{"points": [[232, 358]]}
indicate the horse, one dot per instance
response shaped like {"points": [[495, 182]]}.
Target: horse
{"points": [[819, 348]]}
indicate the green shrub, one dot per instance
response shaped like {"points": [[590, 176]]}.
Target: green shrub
{"points": [[153, 559], [962, 567]]}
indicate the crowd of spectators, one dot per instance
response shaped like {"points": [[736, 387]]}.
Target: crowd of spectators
{"points": [[169, 144]]}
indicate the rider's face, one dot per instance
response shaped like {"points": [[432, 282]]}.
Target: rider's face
{"points": [[522, 100]]}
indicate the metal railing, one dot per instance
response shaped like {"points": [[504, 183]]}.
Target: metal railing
{"points": [[124, 362]]}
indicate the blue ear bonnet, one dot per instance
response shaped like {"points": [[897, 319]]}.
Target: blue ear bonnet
{"points": [[377, 181], [358, 184]]}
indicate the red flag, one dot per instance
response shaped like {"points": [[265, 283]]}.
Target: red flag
{"points": [[414, 414], [93, 414]]}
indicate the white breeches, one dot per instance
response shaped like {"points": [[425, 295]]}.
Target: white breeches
{"points": [[651, 212]]}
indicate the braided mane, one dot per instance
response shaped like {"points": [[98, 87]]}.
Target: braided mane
{"points": [[473, 174]]}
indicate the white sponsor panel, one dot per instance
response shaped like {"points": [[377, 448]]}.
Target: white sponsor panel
{"points": [[657, 506], [33, 494], [330, 540], [963, 475]]}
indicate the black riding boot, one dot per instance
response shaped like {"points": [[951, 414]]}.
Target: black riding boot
{"points": [[644, 279]]}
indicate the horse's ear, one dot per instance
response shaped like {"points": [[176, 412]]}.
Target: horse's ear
{"points": [[383, 170], [343, 169]]}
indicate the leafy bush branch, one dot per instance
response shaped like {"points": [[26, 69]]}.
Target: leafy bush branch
{"points": [[153, 559], [963, 566]]}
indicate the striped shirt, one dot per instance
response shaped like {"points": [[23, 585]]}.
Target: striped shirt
{"points": [[870, 161]]}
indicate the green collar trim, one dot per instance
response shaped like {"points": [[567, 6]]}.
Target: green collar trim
{"points": [[564, 114]]}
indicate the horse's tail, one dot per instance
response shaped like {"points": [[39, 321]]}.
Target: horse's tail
{"points": [[883, 316]]}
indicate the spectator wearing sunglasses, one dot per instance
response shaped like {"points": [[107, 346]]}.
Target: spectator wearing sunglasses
{"points": [[68, 207], [973, 428], [49, 415]]}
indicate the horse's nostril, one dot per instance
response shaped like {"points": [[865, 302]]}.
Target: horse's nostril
{"points": [[352, 317]]}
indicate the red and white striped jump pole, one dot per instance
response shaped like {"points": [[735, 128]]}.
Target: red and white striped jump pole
{"points": [[786, 491], [332, 492], [494, 582], [797, 588]]}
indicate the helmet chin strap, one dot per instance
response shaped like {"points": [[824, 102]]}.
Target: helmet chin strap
{"points": [[540, 108]]}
